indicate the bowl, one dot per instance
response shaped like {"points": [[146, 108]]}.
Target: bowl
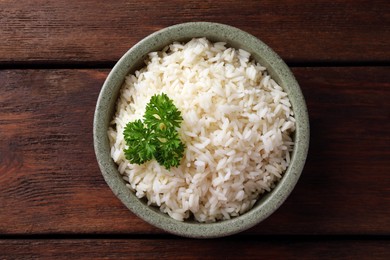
{"points": [[133, 60]]}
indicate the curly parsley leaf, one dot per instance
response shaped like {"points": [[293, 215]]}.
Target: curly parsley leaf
{"points": [[140, 141], [162, 114], [157, 136], [170, 150]]}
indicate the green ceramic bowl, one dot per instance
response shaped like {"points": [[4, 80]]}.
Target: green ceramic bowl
{"points": [[133, 59]]}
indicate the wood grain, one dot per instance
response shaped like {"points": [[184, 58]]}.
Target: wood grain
{"points": [[194, 249], [49, 175], [50, 182], [98, 32]]}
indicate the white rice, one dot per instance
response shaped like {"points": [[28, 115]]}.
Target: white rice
{"points": [[237, 123]]}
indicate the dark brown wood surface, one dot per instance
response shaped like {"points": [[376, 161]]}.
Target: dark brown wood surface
{"points": [[101, 31], [54, 57], [188, 249], [51, 182]]}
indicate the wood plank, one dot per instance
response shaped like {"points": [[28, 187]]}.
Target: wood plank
{"points": [[49, 176], [50, 182], [194, 249], [95, 32]]}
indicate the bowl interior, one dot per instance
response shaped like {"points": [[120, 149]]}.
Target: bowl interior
{"points": [[133, 60]]}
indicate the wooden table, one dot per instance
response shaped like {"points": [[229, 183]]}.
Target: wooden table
{"points": [[54, 57]]}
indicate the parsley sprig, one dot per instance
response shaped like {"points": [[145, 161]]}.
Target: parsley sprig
{"points": [[157, 136]]}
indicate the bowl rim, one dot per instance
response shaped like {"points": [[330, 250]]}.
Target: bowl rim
{"points": [[279, 72]]}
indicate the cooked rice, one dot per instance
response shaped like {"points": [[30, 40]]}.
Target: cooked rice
{"points": [[237, 125]]}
